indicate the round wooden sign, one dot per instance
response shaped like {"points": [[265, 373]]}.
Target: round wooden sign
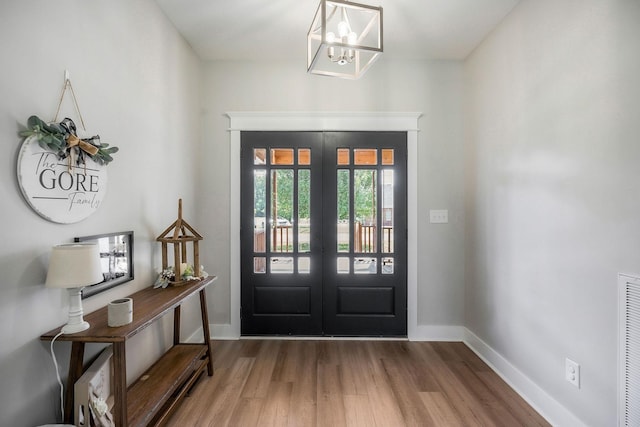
{"points": [[58, 190]]}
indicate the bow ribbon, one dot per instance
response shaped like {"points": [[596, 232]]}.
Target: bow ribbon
{"points": [[73, 141]]}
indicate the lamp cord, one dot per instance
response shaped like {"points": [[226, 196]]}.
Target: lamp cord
{"points": [[55, 363]]}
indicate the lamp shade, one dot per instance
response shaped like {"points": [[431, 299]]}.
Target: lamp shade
{"points": [[74, 266]]}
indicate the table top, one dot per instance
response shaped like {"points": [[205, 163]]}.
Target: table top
{"points": [[148, 305]]}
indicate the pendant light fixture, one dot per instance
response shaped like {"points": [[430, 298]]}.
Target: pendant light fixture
{"points": [[344, 39]]}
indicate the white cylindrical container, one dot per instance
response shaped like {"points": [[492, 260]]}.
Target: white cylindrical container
{"points": [[120, 312]]}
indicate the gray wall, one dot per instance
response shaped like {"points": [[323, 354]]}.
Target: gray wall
{"points": [[553, 216], [137, 85]]}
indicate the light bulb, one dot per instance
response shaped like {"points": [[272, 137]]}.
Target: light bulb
{"points": [[331, 53], [350, 55], [353, 38], [331, 37], [343, 29]]}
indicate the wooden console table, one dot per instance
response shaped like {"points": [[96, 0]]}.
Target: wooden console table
{"points": [[152, 398]]}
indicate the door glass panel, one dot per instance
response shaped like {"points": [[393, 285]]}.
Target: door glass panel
{"points": [[259, 203], [259, 264], [304, 156], [387, 265], [281, 265], [365, 210], [259, 156], [304, 209], [281, 210], [343, 265], [304, 265], [387, 156], [387, 210], [343, 198], [365, 156], [343, 156], [364, 266], [282, 156]]}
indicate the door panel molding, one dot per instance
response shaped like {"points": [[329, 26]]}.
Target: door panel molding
{"points": [[322, 121]]}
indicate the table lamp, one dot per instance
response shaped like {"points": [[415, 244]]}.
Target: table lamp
{"points": [[74, 266]]}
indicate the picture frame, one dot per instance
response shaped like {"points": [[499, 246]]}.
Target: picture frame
{"points": [[95, 383], [116, 254]]}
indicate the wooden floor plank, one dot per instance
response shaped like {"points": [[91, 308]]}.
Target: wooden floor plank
{"points": [[330, 409], [414, 413], [461, 399], [303, 412], [190, 411], [221, 404], [305, 386], [440, 410], [518, 406], [286, 363], [386, 410], [245, 413], [306, 383], [358, 411], [491, 403], [354, 375], [470, 358], [261, 375], [276, 407], [423, 378]]}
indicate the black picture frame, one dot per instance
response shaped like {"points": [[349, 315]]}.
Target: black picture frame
{"points": [[116, 253]]}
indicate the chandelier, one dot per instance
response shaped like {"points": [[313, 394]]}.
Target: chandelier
{"points": [[344, 39]]}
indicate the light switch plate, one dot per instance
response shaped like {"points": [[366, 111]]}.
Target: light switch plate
{"points": [[438, 216]]}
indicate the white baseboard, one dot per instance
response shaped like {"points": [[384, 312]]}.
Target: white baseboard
{"points": [[437, 333], [421, 333], [218, 332], [224, 331], [540, 400], [195, 337]]}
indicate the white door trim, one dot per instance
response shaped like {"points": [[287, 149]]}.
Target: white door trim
{"points": [[325, 121]]}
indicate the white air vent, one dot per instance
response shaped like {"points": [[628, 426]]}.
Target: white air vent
{"points": [[629, 351]]}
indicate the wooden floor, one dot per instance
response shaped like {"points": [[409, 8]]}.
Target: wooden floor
{"points": [[351, 383]]}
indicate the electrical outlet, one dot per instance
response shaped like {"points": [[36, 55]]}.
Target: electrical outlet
{"points": [[572, 372]]}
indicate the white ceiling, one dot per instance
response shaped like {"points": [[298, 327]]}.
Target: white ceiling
{"points": [[277, 29]]}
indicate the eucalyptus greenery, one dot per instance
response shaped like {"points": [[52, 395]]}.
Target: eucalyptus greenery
{"points": [[53, 137]]}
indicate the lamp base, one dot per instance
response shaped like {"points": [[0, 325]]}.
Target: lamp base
{"points": [[75, 323], [72, 328]]}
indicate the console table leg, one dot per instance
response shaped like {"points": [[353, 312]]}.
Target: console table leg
{"points": [[176, 326], [119, 384], [75, 371], [205, 330]]}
